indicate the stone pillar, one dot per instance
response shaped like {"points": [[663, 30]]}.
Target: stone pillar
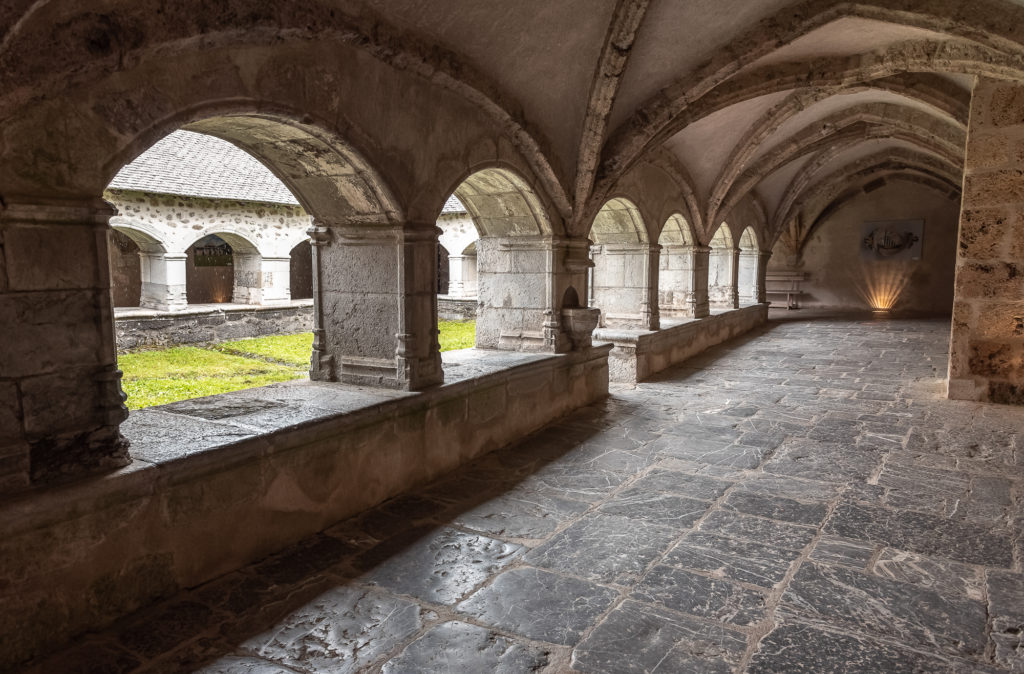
{"points": [[375, 322], [248, 272], [163, 281], [60, 395], [986, 360], [462, 276], [763, 256], [523, 284], [733, 299], [747, 276], [275, 280], [675, 281], [625, 284], [698, 300]]}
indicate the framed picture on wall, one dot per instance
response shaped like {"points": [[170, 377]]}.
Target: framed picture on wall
{"points": [[892, 240]]}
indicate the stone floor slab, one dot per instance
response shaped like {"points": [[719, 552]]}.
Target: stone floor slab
{"points": [[640, 638], [539, 605]]}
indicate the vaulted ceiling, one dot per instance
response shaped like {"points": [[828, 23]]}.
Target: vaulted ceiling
{"points": [[777, 103]]}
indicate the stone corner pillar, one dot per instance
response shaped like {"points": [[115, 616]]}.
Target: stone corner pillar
{"points": [[61, 402], [163, 281], [570, 269], [986, 355], [697, 298], [274, 280], [375, 316], [733, 292], [761, 293]]}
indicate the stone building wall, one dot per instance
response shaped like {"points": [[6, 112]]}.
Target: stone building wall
{"points": [[987, 346], [178, 221], [839, 277]]}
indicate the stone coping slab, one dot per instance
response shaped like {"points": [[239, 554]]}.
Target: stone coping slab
{"points": [[638, 354], [213, 432], [199, 309]]}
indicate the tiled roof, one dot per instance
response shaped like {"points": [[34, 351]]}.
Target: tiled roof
{"points": [[453, 205], [194, 164]]}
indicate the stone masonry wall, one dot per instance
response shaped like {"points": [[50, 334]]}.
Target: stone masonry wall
{"points": [[987, 346], [179, 221]]}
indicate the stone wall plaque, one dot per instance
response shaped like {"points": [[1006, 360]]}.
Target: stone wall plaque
{"points": [[892, 240]]}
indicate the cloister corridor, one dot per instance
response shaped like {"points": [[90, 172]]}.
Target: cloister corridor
{"points": [[803, 499]]}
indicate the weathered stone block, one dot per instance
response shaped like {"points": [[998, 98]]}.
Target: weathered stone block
{"points": [[72, 260], [55, 403], [983, 232], [1000, 321], [998, 359], [990, 280], [988, 151], [994, 187], [1007, 106], [48, 331], [10, 414]]}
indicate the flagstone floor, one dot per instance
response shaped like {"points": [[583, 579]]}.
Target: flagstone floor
{"points": [[800, 500]]}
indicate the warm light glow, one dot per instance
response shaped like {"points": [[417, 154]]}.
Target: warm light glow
{"points": [[881, 283]]}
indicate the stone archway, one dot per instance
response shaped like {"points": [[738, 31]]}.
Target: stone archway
{"points": [[722, 270], [624, 273], [518, 294], [676, 277], [300, 271]]}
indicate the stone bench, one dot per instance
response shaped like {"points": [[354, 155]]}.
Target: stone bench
{"points": [[786, 283]]}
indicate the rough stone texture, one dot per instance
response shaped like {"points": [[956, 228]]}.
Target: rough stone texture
{"points": [[987, 345], [209, 323], [174, 221], [654, 557]]}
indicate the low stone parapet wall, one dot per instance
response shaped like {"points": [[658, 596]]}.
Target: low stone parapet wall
{"points": [[219, 482], [638, 354], [209, 323], [455, 309]]}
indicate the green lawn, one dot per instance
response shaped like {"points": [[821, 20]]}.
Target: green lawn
{"points": [[160, 376]]}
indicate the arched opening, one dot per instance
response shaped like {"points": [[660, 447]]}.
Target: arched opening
{"points": [[620, 280], [504, 261], [261, 174], [676, 273], [747, 278], [210, 271], [300, 271], [125, 270], [721, 270]]}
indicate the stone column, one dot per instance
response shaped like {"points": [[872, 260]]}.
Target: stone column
{"points": [[700, 305], [60, 396], [275, 280], [625, 284], [163, 281], [733, 296], [375, 322], [986, 360], [763, 256], [747, 276]]}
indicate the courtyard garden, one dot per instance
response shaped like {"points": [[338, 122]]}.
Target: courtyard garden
{"points": [[160, 376]]}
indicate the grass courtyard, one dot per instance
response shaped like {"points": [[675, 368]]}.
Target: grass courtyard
{"points": [[160, 376]]}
